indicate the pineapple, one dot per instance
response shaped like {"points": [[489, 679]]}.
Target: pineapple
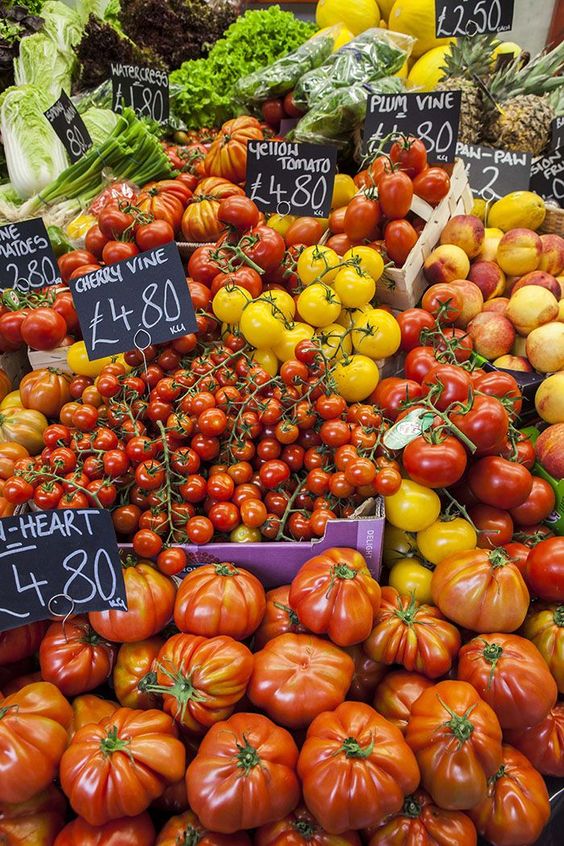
{"points": [[468, 59], [520, 112]]}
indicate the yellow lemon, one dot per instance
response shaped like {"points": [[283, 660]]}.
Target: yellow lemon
{"points": [[357, 16], [416, 18], [427, 70]]}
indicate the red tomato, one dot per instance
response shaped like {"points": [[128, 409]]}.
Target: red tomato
{"points": [[334, 593], [298, 676], [400, 238], [396, 694], [95, 762], [486, 423], [411, 155], [353, 739], [538, 505], [432, 185], [127, 831], [43, 329], [443, 301], [418, 362], [517, 807], [543, 743], [395, 193], [74, 658], [70, 262], [494, 480], [456, 738], [435, 460], [219, 599], [412, 634], [494, 525], [247, 755], [115, 251], [545, 569], [447, 383], [362, 219], [112, 222], [154, 234], [304, 231], [239, 212], [300, 828], [266, 248], [187, 830], [500, 384], [510, 675]]}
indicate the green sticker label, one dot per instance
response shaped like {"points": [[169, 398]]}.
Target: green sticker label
{"points": [[408, 428]]}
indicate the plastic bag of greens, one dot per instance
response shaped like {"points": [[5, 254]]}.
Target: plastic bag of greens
{"points": [[334, 118], [280, 77], [373, 55]]}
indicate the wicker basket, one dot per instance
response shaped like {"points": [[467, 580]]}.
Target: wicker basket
{"points": [[553, 222], [186, 248]]}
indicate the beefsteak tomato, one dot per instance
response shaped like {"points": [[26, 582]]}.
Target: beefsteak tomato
{"points": [[35, 822], [135, 669], [420, 822], [116, 768], [353, 745], [33, 736], [201, 678], [510, 675], [45, 390], [301, 829], [127, 831], [334, 593], [162, 204], [456, 738], [517, 807], [89, 709], [544, 626], [150, 602], [543, 744], [74, 658], [244, 774], [21, 642], [396, 694], [297, 676], [220, 599], [367, 674], [278, 618], [227, 156], [481, 590], [186, 829], [414, 635]]}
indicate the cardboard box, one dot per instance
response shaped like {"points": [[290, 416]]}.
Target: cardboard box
{"points": [[277, 563]]}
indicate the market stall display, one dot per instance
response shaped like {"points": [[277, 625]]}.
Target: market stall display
{"points": [[323, 597]]}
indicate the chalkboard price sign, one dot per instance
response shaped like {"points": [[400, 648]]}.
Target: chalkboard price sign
{"points": [[136, 302], [472, 17], [557, 139], [27, 261], [432, 117], [56, 563], [143, 89], [494, 173], [69, 126], [290, 178], [547, 176]]}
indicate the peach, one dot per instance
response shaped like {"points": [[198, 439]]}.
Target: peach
{"points": [[549, 399], [552, 255], [488, 250], [445, 264], [530, 307], [498, 304], [550, 450], [539, 277], [561, 311], [492, 334], [545, 347], [560, 279], [489, 278], [519, 252], [472, 301], [513, 362], [465, 231]]}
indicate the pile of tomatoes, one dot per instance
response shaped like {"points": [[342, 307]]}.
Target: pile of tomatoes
{"points": [[288, 697], [43, 320], [380, 213]]}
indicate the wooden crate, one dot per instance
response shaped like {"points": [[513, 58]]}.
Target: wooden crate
{"points": [[402, 287], [16, 364], [56, 358]]}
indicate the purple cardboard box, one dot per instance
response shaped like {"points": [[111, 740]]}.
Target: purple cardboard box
{"points": [[277, 563]]}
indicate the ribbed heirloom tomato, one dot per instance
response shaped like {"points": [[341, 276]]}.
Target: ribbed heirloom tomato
{"points": [[422, 822], [36, 821], [127, 831], [278, 618], [543, 744], [89, 709], [396, 694], [74, 658], [186, 829], [33, 736], [297, 676], [334, 593], [456, 738], [544, 626], [511, 675], [201, 679], [300, 828], [244, 774], [134, 670], [355, 745], [412, 634], [150, 601], [117, 767]]}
